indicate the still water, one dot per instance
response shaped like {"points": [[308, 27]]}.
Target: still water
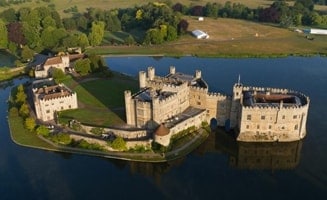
{"points": [[218, 169]]}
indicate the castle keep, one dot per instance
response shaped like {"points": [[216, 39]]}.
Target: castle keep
{"points": [[49, 98], [178, 101]]}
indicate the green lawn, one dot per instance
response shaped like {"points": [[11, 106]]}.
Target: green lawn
{"points": [[23, 137], [101, 101]]}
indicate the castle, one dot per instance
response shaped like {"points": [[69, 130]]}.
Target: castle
{"points": [[49, 98], [45, 70], [178, 101]]}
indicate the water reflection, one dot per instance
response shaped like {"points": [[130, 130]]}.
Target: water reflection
{"points": [[254, 155], [241, 155], [281, 155]]}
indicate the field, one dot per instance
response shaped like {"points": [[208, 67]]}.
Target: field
{"points": [[96, 104], [231, 37]]}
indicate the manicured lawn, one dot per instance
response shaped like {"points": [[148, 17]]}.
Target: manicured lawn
{"points": [[100, 117], [101, 101], [23, 137], [108, 92]]}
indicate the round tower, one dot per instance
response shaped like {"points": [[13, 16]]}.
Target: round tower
{"points": [[151, 73], [128, 109], [198, 74], [142, 79], [172, 70]]}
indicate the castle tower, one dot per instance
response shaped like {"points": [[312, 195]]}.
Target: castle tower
{"points": [[129, 108], [236, 105], [151, 73], [142, 79], [198, 74], [172, 70]]}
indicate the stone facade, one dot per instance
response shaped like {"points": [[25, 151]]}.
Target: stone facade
{"points": [[45, 70], [163, 99], [49, 97]]}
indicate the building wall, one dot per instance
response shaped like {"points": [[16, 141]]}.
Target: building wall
{"points": [[45, 109]]}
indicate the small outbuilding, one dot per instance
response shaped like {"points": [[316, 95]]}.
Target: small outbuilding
{"points": [[315, 31], [200, 34]]}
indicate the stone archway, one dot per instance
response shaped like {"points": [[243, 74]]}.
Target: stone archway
{"points": [[213, 123]]}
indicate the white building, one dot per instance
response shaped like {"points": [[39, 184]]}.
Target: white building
{"points": [[200, 34], [45, 70], [49, 97], [315, 31]]}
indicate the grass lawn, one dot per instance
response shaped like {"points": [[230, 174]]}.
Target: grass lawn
{"points": [[90, 116], [23, 137], [101, 101]]}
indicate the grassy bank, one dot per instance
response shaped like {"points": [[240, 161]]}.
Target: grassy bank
{"points": [[7, 73]]}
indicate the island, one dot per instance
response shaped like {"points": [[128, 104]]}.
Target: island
{"points": [[166, 118]]}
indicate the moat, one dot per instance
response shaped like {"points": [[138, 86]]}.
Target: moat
{"points": [[213, 170]]}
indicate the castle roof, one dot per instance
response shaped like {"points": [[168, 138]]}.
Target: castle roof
{"points": [[162, 130], [47, 90], [53, 61]]}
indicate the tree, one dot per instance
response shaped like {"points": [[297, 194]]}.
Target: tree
{"points": [[15, 33], [20, 96], [30, 123], [129, 40], [83, 66], [3, 35], [55, 15], [119, 144], [43, 131], [153, 36], [24, 110], [13, 112], [27, 54], [69, 24], [97, 33], [48, 21], [31, 34], [9, 15], [182, 26], [211, 10], [23, 13], [58, 75], [171, 33]]}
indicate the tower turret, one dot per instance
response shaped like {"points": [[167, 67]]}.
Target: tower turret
{"points": [[198, 74], [142, 79], [128, 107], [151, 73], [172, 70]]}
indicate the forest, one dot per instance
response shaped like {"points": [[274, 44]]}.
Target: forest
{"points": [[26, 31]]}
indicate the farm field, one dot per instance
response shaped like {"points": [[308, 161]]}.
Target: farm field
{"points": [[230, 37]]}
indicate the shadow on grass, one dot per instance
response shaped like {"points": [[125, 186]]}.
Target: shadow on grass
{"points": [[101, 99]]}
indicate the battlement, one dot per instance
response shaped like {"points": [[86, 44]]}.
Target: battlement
{"points": [[199, 89], [217, 95]]}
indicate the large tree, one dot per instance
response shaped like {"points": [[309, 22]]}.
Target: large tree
{"points": [[83, 66], [97, 33]]}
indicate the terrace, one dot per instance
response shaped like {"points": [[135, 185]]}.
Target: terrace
{"points": [[251, 98]]}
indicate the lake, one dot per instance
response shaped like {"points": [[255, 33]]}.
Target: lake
{"points": [[218, 169], [6, 59]]}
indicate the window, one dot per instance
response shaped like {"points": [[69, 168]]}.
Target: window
{"points": [[263, 117], [283, 117], [258, 126], [294, 116], [62, 107], [199, 103], [48, 111], [296, 127], [269, 126], [69, 106], [247, 126], [61, 102], [248, 117]]}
